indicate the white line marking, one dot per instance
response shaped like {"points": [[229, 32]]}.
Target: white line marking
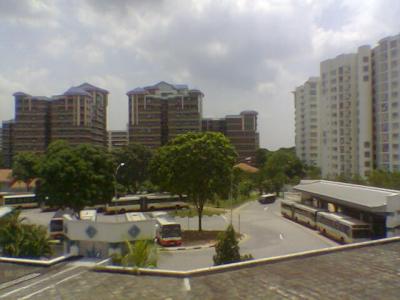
{"points": [[39, 281], [19, 280], [266, 208], [281, 236], [186, 283], [225, 218], [50, 286]]}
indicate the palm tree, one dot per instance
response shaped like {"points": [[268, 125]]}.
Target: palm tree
{"points": [[140, 254], [18, 239]]}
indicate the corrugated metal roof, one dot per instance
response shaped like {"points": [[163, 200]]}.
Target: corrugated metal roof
{"points": [[367, 197]]}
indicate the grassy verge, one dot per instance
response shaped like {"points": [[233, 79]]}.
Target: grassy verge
{"points": [[227, 203], [194, 237]]}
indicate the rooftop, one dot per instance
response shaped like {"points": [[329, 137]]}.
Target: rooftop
{"points": [[160, 86], [367, 272], [359, 196]]}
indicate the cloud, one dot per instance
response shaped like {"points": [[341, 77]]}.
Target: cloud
{"points": [[243, 54]]}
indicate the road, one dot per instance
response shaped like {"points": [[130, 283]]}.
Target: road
{"points": [[267, 234]]}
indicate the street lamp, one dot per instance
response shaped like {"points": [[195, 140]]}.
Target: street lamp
{"points": [[115, 177]]}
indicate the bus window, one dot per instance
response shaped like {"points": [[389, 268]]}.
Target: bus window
{"points": [[173, 230]]}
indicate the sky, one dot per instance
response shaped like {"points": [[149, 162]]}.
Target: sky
{"points": [[243, 55]]}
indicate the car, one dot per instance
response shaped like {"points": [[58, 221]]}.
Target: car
{"points": [[267, 198]]}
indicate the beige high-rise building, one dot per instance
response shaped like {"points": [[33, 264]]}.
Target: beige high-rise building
{"points": [[160, 112], [307, 128], [386, 63], [117, 139], [78, 116]]}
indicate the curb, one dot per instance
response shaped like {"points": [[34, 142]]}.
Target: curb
{"points": [[188, 248]]}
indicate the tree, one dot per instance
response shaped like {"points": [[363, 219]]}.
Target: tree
{"points": [[261, 157], [25, 167], [196, 164], [141, 254], [227, 247], [136, 159], [18, 239], [76, 176]]}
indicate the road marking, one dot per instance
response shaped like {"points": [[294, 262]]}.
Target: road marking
{"points": [[266, 208], [281, 236], [39, 281], [186, 283], [19, 280], [225, 218], [50, 286]]}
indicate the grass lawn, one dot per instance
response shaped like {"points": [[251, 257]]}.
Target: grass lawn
{"points": [[194, 237], [227, 203]]}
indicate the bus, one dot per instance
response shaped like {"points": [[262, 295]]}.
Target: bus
{"points": [[56, 226], [88, 215], [5, 211], [267, 198], [168, 232], [124, 204], [304, 214], [20, 201], [287, 209], [163, 201], [343, 228], [145, 202]]}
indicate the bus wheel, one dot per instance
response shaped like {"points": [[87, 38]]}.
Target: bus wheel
{"points": [[178, 207], [122, 211], [151, 207], [342, 240]]}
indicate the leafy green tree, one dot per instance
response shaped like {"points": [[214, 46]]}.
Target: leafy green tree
{"points": [[134, 172], [312, 172], [141, 254], [196, 164], [76, 176], [261, 157], [227, 248], [25, 167], [18, 239]]}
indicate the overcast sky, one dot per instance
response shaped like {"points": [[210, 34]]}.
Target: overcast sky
{"points": [[241, 54]]}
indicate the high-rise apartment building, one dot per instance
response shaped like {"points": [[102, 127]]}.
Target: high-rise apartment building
{"points": [[117, 139], [31, 128], [78, 116], [7, 146], [241, 130], [359, 110], [386, 64], [160, 112], [307, 133]]}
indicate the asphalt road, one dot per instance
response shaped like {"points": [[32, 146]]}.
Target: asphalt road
{"points": [[267, 234]]}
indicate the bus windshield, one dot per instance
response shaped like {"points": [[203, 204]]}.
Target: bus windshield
{"points": [[56, 225], [173, 230]]}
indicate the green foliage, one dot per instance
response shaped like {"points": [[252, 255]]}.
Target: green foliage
{"points": [[140, 254], [196, 164], [136, 159], [76, 176], [18, 239], [312, 172], [261, 158], [384, 179], [25, 167], [227, 248]]}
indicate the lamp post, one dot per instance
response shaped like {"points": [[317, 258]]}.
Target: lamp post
{"points": [[115, 177]]}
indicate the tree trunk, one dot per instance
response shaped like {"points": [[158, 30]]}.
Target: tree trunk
{"points": [[200, 212]]}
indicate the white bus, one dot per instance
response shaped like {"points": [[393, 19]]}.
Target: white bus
{"points": [[19, 201], [306, 215], [343, 228], [287, 208], [56, 226], [124, 204], [88, 214], [163, 201], [168, 232]]}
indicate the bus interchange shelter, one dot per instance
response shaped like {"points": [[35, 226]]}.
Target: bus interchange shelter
{"points": [[376, 206]]}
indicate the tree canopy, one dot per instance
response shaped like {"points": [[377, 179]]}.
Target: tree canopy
{"points": [[134, 172], [75, 176], [196, 164], [18, 239], [25, 167]]}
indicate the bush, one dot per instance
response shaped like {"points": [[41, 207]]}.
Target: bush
{"points": [[227, 248]]}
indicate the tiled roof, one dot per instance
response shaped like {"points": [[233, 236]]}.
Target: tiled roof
{"points": [[5, 175], [369, 272]]}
